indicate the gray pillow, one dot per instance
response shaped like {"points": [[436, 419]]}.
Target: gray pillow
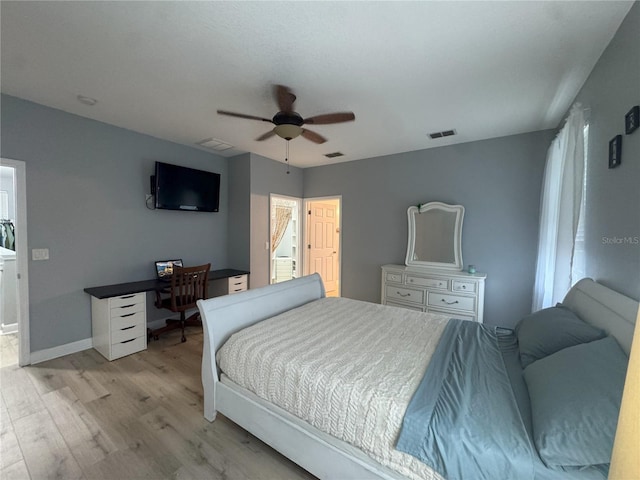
{"points": [[550, 330], [575, 400]]}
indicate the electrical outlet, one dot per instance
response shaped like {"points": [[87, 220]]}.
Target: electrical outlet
{"points": [[40, 254]]}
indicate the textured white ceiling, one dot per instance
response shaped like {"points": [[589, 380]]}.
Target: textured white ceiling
{"points": [[486, 69]]}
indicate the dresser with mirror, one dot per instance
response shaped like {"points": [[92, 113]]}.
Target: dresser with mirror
{"points": [[432, 279]]}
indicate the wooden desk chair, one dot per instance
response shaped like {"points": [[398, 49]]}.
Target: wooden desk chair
{"points": [[188, 285]]}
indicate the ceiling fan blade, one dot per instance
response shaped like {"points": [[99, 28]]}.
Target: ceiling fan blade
{"points": [[242, 115], [284, 98], [327, 118], [313, 136], [264, 136]]}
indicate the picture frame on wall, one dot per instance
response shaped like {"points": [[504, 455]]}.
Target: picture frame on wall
{"points": [[615, 151], [632, 120]]}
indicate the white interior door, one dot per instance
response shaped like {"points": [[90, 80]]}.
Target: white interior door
{"points": [[323, 242]]}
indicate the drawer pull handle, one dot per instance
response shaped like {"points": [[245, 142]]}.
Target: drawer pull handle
{"points": [[128, 296], [464, 287], [128, 306], [127, 315], [127, 341], [128, 328], [404, 295], [449, 303]]}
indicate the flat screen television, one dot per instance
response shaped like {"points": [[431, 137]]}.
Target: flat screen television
{"points": [[182, 188]]}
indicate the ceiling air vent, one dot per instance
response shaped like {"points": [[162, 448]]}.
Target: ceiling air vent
{"points": [[214, 144], [444, 133], [334, 154]]}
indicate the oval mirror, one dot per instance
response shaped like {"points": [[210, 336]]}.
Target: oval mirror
{"points": [[435, 236]]}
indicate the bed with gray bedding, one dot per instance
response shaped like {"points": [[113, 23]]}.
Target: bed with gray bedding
{"points": [[401, 394]]}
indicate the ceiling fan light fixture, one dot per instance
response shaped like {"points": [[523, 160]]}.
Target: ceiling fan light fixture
{"points": [[287, 131]]}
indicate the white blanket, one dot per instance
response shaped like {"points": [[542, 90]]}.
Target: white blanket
{"points": [[348, 368]]}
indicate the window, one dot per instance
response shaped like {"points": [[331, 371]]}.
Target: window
{"points": [[578, 267]]}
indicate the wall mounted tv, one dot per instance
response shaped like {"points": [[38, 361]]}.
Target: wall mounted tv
{"points": [[182, 188]]}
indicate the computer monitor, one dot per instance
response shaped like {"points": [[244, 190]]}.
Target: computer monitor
{"points": [[164, 268]]}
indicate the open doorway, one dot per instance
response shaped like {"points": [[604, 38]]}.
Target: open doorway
{"points": [[285, 238], [14, 302], [322, 238]]}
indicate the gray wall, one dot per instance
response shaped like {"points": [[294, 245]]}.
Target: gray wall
{"points": [[239, 211], [613, 196], [267, 176], [86, 186], [498, 181]]}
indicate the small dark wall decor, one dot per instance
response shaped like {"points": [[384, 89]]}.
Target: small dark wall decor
{"points": [[615, 150], [632, 119]]}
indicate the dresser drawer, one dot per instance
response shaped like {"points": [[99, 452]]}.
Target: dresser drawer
{"points": [[427, 282], [132, 299], [127, 333], [405, 294], [452, 301], [417, 308], [458, 315], [458, 286], [394, 277], [451, 293], [127, 347]]}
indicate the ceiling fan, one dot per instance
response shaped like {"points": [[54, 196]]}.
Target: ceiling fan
{"points": [[288, 124]]}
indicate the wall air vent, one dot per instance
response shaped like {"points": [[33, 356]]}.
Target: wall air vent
{"points": [[334, 154], [444, 133]]}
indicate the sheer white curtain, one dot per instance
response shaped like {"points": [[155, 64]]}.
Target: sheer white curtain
{"points": [[560, 211]]}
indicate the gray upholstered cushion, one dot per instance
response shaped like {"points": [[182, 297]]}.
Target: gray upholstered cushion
{"points": [[550, 330], [575, 400]]}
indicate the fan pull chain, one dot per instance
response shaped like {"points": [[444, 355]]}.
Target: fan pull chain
{"points": [[286, 158]]}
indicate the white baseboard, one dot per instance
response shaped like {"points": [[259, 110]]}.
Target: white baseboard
{"points": [[80, 345], [61, 351], [7, 329]]}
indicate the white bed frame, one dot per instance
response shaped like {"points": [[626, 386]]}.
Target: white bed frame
{"points": [[317, 452]]}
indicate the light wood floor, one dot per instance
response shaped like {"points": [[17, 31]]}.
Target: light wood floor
{"points": [[83, 417]]}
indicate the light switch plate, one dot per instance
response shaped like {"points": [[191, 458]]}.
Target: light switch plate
{"points": [[40, 254]]}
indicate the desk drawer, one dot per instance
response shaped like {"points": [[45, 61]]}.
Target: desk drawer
{"points": [[456, 302], [405, 294], [127, 333], [126, 310], [123, 300], [427, 282], [127, 347], [124, 321], [237, 284]]}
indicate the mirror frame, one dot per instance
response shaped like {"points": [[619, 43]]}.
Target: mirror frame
{"points": [[412, 211]]}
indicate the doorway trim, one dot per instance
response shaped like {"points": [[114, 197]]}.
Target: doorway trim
{"points": [[306, 243], [22, 259]]}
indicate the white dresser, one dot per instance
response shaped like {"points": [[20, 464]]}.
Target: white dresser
{"points": [[119, 325], [449, 292]]}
